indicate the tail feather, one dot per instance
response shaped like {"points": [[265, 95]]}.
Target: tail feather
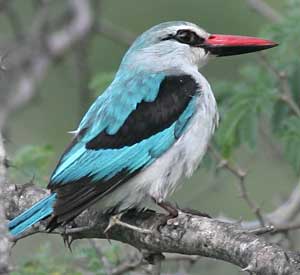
{"points": [[36, 213]]}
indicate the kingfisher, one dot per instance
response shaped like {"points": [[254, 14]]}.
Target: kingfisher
{"points": [[146, 131]]}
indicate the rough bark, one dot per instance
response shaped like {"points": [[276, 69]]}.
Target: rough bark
{"points": [[187, 234]]}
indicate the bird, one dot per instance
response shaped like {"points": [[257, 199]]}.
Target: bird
{"points": [[149, 129]]}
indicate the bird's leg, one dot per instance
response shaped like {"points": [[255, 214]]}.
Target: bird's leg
{"points": [[116, 220], [172, 211]]}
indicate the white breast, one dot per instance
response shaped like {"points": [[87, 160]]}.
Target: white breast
{"points": [[163, 176]]}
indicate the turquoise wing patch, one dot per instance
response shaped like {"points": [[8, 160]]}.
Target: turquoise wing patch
{"points": [[131, 125], [128, 127], [104, 164]]}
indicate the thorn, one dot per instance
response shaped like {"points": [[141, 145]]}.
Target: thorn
{"points": [[68, 240], [108, 239]]}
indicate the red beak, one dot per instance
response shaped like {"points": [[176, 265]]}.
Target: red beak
{"points": [[223, 45]]}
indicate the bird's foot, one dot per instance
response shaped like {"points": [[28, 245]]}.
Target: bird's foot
{"points": [[172, 211], [68, 240], [116, 220], [167, 206]]}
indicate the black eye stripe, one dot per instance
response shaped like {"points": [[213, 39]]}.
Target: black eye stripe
{"points": [[186, 37], [168, 37]]}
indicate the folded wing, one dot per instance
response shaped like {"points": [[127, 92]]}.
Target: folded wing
{"points": [[133, 123]]}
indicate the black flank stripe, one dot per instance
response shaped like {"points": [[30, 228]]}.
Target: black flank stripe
{"points": [[74, 197], [149, 118]]}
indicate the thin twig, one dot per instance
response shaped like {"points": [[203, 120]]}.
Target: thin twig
{"points": [[265, 10], [115, 33], [266, 135], [286, 94], [262, 230], [286, 228], [187, 234], [272, 229], [241, 175], [285, 213], [31, 62], [253, 206]]}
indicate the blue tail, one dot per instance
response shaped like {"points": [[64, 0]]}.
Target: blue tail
{"points": [[37, 212]]}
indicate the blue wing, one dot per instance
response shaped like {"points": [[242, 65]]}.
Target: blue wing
{"points": [[133, 123]]}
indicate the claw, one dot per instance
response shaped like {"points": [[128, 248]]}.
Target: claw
{"points": [[68, 240], [172, 211]]}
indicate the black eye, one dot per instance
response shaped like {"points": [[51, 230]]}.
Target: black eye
{"points": [[189, 37]]}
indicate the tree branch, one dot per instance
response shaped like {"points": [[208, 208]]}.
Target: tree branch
{"points": [[73, 32], [286, 94], [240, 174], [285, 215], [265, 10], [187, 234], [30, 63], [5, 244], [115, 33]]}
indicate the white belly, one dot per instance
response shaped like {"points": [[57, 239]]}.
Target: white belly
{"points": [[163, 176]]}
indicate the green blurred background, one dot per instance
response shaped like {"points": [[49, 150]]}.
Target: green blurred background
{"points": [[57, 109]]}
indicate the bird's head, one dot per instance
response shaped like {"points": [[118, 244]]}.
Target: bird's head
{"points": [[175, 44]]}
